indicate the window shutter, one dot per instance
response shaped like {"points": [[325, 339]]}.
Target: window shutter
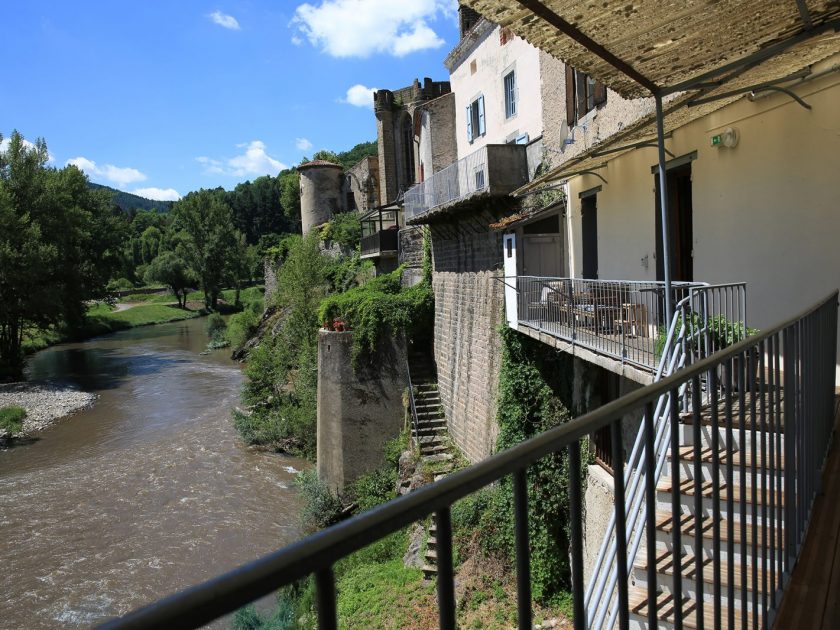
{"points": [[580, 85], [600, 91], [469, 123], [481, 127], [570, 95]]}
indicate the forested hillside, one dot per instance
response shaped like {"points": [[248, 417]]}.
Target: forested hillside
{"points": [[127, 201]]}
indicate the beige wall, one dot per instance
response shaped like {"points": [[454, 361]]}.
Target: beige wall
{"points": [[766, 212], [493, 62]]}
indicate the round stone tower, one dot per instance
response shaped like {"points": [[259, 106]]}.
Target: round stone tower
{"points": [[320, 192]]}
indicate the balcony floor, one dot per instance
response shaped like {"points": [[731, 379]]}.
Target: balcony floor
{"points": [[641, 358], [812, 599]]}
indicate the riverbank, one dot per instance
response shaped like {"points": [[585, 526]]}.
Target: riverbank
{"points": [[103, 319], [44, 402]]}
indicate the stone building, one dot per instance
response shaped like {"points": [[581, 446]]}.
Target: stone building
{"points": [[497, 129]]}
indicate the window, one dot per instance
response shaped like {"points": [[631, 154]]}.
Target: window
{"points": [[583, 94], [475, 119], [510, 94]]}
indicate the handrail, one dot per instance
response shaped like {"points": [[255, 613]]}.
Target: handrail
{"points": [[317, 553], [415, 422]]}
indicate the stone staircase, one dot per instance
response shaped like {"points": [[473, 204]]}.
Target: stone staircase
{"points": [[742, 523], [431, 437]]}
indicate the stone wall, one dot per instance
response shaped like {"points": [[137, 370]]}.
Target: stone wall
{"points": [[270, 274], [364, 183], [469, 303], [359, 409]]}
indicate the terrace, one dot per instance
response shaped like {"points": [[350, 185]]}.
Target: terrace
{"points": [[494, 170]]}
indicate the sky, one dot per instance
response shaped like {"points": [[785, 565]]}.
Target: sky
{"points": [[161, 97]]}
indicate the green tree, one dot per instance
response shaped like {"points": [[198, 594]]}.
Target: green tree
{"points": [[59, 244], [204, 225], [172, 270], [290, 198]]}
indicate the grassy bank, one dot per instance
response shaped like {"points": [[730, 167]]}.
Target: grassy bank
{"points": [[154, 309], [103, 319]]}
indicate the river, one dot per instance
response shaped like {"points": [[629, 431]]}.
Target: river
{"points": [[147, 492]]}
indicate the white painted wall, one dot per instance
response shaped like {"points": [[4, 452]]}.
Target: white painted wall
{"points": [[493, 62], [766, 212], [424, 148]]}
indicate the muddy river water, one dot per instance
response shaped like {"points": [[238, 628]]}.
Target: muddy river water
{"points": [[147, 492]]}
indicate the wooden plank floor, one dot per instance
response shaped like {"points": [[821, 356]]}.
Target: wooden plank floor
{"points": [[812, 600]]}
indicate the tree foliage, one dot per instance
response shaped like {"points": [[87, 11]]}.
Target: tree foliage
{"points": [[59, 244], [173, 271], [202, 222]]}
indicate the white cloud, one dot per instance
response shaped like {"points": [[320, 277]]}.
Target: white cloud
{"points": [[158, 194], [121, 176], [4, 146], [360, 96], [254, 161], [224, 20], [359, 28], [303, 144]]}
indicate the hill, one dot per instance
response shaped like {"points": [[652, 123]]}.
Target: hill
{"points": [[128, 201]]}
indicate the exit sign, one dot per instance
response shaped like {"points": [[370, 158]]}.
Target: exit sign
{"points": [[717, 140]]}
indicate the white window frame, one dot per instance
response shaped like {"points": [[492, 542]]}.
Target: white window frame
{"points": [[511, 93], [476, 123]]}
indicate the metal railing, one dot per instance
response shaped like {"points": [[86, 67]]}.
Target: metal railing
{"points": [[709, 318], [791, 406], [618, 318], [412, 405], [457, 181], [378, 242]]}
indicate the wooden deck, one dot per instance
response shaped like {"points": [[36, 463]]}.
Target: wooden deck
{"points": [[812, 599]]}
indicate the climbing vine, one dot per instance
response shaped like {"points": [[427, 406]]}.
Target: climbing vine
{"points": [[534, 395]]}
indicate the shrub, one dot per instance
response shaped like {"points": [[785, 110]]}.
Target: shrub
{"points": [[345, 228], [242, 327], [374, 488], [11, 419], [120, 284], [381, 308], [322, 507]]}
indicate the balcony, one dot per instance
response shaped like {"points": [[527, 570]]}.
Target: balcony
{"points": [[380, 243], [494, 170], [611, 322], [380, 233]]}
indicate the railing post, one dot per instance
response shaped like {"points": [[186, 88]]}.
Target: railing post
{"points": [[620, 525], [523, 551], [325, 593], [445, 575], [576, 515], [788, 374]]}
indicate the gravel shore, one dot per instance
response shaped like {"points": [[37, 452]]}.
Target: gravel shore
{"points": [[44, 402]]}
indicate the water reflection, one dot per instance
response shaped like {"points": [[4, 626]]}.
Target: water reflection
{"points": [[147, 492]]}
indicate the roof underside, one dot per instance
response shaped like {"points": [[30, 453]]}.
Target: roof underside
{"points": [[667, 42]]}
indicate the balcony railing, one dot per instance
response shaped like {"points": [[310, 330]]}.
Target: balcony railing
{"points": [[495, 169], [379, 242], [621, 319], [779, 383]]}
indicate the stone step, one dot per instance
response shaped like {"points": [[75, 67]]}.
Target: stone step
{"points": [[431, 556], [426, 430], [431, 542], [433, 439], [777, 419], [432, 450], [437, 457], [429, 572]]}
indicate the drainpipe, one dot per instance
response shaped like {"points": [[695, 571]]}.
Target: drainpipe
{"points": [[663, 206]]}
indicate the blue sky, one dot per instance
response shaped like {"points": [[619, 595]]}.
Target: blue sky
{"points": [[168, 97]]}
